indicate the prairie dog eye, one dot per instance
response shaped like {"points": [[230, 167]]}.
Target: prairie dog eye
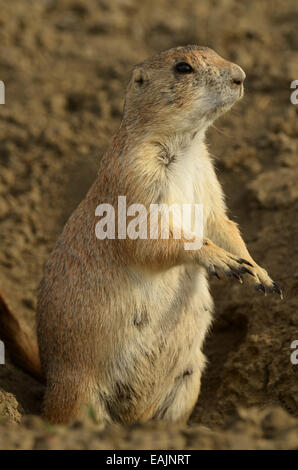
{"points": [[183, 67]]}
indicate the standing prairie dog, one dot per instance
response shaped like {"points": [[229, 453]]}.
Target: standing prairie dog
{"points": [[121, 322]]}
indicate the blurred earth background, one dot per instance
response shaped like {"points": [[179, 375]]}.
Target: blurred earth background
{"points": [[65, 65]]}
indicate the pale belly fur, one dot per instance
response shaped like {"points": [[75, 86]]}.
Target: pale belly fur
{"points": [[156, 363]]}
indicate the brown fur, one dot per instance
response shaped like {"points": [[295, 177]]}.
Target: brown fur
{"points": [[23, 348]]}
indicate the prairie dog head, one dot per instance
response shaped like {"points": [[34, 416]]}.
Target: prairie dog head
{"points": [[182, 89]]}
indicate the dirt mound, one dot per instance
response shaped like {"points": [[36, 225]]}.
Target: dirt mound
{"points": [[65, 65]]}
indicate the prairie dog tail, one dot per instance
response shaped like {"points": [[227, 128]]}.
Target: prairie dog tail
{"points": [[22, 348]]}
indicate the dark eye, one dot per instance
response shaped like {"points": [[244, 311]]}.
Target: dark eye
{"points": [[183, 67]]}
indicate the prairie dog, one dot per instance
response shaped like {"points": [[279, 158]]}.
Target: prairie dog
{"points": [[121, 323]]}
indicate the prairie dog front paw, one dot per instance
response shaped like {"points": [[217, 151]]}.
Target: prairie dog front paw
{"points": [[216, 259], [263, 281]]}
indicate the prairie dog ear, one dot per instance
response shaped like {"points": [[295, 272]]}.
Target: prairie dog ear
{"points": [[140, 76]]}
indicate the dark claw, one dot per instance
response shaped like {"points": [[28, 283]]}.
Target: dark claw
{"points": [[214, 272], [277, 289], [238, 276], [243, 269], [261, 287], [234, 273], [244, 261]]}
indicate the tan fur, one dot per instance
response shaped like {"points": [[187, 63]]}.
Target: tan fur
{"points": [[121, 323], [23, 349]]}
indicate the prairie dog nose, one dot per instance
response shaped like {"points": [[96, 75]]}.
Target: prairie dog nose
{"points": [[238, 75]]}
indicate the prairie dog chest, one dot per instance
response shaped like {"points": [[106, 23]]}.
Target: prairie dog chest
{"points": [[191, 178]]}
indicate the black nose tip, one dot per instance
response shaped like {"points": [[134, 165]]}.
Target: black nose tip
{"points": [[238, 75]]}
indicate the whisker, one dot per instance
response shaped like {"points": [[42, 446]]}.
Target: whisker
{"points": [[220, 131]]}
